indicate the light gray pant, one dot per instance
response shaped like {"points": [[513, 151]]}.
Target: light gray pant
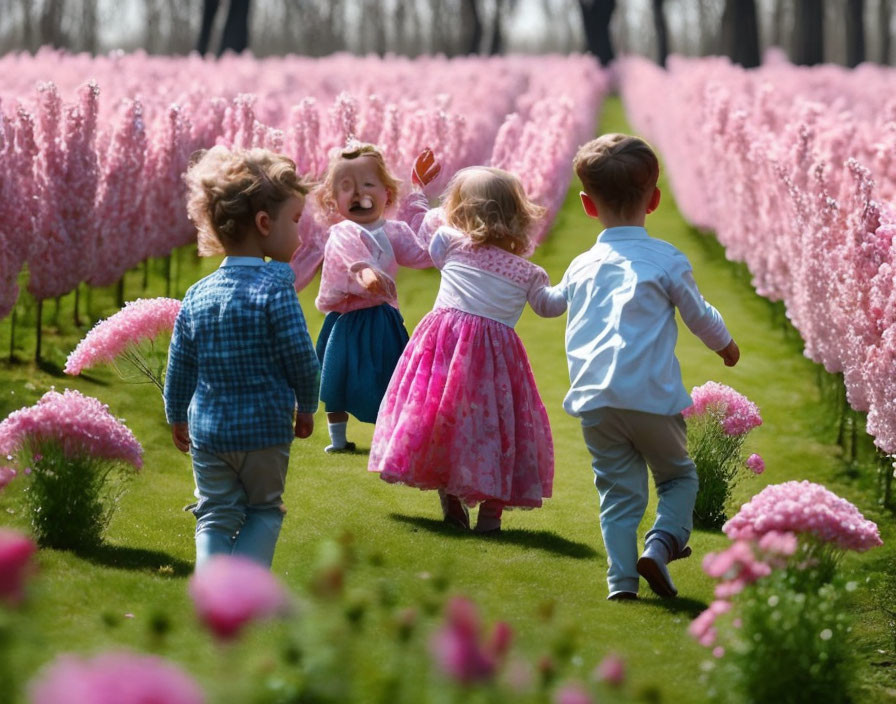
{"points": [[623, 444]]}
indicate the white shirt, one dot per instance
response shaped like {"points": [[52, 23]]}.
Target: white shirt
{"points": [[621, 330]]}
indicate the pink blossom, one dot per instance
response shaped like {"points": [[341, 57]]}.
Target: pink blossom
{"points": [[756, 464], [611, 670], [15, 555], [804, 508], [7, 474], [79, 424], [229, 592], [737, 414], [139, 320], [573, 693], [457, 648], [779, 543], [114, 678]]}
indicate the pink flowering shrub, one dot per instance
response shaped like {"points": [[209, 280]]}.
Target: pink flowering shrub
{"points": [[15, 562], [779, 607], [718, 423], [229, 592], [458, 648], [74, 457], [114, 678], [138, 334]]}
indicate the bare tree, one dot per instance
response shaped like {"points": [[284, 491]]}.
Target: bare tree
{"points": [[496, 44], [235, 36], [855, 32], [808, 35], [471, 26], [662, 32], [596, 17], [883, 21], [740, 32]]}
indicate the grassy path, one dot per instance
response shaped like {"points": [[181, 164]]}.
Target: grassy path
{"points": [[547, 560]]}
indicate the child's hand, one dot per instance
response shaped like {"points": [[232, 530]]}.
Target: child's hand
{"points": [[304, 424], [375, 284], [180, 433], [425, 168], [729, 354]]}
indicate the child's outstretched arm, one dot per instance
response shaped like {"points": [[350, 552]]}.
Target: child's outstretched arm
{"points": [[700, 316], [546, 300]]}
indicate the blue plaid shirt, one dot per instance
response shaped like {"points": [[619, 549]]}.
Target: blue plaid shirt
{"points": [[241, 360]]}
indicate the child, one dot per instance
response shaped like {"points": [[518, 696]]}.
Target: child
{"points": [[363, 333], [625, 381], [241, 365], [462, 413]]}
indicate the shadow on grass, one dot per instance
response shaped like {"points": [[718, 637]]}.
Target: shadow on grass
{"points": [[50, 367], [540, 539], [139, 559], [676, 605]]}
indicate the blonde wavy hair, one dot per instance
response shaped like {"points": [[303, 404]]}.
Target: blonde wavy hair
{"points": [[226, 188], [491, 206], [325, 193]]}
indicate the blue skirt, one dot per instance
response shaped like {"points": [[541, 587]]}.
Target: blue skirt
{"points": [[358, 352]]}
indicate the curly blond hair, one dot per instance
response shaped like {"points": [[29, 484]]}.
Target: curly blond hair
{"points": [[491, 207], [226, 188], [325, 193]]}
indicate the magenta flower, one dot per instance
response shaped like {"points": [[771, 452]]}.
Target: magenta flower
{"points": [[114, 678], [7, 474], [121, 334], [457, 649], [737, 414], [755, 464], [229, 592], [573, 693], [15, 556], [81, 425], [611, 670], [808, 509]]}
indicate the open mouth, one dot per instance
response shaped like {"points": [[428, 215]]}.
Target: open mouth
{"points": [[362, 206]]}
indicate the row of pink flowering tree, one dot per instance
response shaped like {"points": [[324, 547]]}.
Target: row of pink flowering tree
{"points": [[793, 168], [92, 161]]}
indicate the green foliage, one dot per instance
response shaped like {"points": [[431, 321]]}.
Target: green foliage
{"points": [[719, 459]]}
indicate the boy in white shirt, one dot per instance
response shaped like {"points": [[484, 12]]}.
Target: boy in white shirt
{"points": [[625, 381]]}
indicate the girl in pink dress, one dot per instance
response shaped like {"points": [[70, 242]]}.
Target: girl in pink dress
{"points": [[462, 413], [363, 333]]}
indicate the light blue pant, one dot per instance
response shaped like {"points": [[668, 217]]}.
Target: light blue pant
{"points": [[623, 444], [240, 508]]}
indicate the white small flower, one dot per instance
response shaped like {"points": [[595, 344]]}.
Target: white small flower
{"points": [[826, 634], [773, 600]]}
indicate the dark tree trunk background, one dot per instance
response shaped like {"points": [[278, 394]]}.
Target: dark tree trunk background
{"points": [[596, 16], [496, 45], [235, 36], [662, 32], [471, 25], [855, 32], [740, 32], [808, 33], [883, 19]]}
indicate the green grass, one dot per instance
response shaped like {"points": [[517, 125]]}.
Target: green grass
{"points": [[550, 559]]}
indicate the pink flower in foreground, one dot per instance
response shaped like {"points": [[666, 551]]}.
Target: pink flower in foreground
{"points": [[7, 474], [140, 320], [229, 592], [114, 678], [456, 647], [756, 464], [611, 670], [15, 556], [737, 414], [806, 508], [572, 694], [80, 424]]}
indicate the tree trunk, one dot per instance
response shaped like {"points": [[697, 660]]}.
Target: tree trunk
{"points": [[471, 26], [662, 32], [89, 27], [596, 17], [808, 34], [855, 32], [236, 28], [777, 38], [209, 10], [883, 23], [496, 46], [740, 32]]}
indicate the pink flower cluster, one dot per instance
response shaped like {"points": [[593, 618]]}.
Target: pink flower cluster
{"points": [[229, 592], [139, 320], [7, 474], [79, 424], [114, 678], [737, 414], [458, 649], [806, 508], [755, 464], [15, 556]]}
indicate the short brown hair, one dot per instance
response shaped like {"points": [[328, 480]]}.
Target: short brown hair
{"points": [[226, 188], [490, 204], [617, 170], [353, 150]]}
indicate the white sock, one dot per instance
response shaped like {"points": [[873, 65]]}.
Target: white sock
{"points": [[337, 433]]}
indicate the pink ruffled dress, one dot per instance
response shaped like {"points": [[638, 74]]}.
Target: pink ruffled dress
{"points": [[462, 412]]}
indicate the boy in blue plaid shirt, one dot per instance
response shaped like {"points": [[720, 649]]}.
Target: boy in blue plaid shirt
{"points": [[242, 376]]}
